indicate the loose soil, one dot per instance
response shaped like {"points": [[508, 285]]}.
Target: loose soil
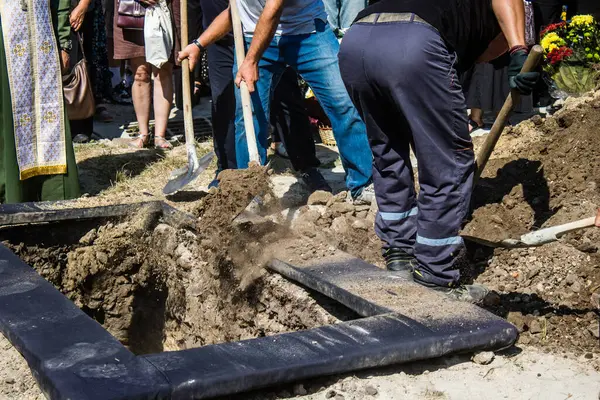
{"points": [[544, 172], [549, 292], [156, 288]]}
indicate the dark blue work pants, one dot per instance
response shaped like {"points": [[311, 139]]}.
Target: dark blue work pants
{"points": [[403, 81]]}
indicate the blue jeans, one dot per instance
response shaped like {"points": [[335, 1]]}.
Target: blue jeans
{"points": [[341, 13], [314, 57]]}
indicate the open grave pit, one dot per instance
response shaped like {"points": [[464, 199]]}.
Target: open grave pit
{"points": [[156, 288]]}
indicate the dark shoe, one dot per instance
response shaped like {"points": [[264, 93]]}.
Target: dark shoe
{"points": [[102, 115], [470, 293], [81, 138], [398, 260], [122, 94], [314, 180]]}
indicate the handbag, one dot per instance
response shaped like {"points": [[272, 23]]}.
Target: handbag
{"points": [[77, 89], [158, 34], [130, 15]]}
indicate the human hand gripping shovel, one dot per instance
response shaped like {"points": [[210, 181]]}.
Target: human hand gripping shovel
{"points": [[184, 176], [535, 55]]}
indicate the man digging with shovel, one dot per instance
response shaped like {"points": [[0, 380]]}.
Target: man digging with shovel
{"points": [[400, 62], [279, 33]]}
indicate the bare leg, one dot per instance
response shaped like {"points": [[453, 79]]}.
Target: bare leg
{"points": [[163, 101], [140, 93]]}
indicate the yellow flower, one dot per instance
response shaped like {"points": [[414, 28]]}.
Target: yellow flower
{"points": [[582, 20], [552, 41]]}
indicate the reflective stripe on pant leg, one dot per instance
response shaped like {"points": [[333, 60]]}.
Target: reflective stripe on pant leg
{"points": [[452, 240], [397, 229], [393, 216]]}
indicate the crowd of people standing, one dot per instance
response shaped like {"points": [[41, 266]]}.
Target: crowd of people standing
{"points": [[397, 82]]}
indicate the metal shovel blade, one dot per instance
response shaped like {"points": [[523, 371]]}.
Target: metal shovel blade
{"points": [[251, 213], [190, 174]]}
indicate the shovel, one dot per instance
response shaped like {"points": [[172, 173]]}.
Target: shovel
{"points": [[249, 214], [513, 97], [183, 177], [240, 55], [537, 238], [483, 156]]}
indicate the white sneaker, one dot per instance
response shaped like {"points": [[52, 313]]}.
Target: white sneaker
{"points": [[366, 197]]}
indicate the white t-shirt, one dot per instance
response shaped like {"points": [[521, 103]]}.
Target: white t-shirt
{"points": [[298, 16]]}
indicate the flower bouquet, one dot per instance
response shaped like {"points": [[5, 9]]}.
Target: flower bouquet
{"points": [[572, 54]]}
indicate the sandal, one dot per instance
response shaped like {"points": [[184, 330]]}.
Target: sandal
{"points": [[139, 142], [162, 143]]}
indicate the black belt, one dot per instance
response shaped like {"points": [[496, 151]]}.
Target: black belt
{"points": [[382, 18]]}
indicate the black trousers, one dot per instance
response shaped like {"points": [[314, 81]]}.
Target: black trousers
{"points": [[289, 117], [546, 12], [194, 30], [220, 74], [586, 7]]}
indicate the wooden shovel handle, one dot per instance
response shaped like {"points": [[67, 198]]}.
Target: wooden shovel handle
{"points": [[240, 54], [513, 98], [188, 119], [575, 225]]}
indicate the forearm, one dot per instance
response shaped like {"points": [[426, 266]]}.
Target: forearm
{"points": [[85, 4], [265, 30], [217, 30], [511, 17]]}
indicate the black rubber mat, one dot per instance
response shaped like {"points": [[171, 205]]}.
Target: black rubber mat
{"points": [[27, 213], [73, 357]]}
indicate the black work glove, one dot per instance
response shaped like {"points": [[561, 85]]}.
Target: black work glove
{"points": [[522, 82]]}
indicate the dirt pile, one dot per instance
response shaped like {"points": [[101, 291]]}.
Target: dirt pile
{"points": [[547, 292], [236, 189], [550, 176], [236, 249], [551, 181], [543, 172], [335, 221], [156, 288]]}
